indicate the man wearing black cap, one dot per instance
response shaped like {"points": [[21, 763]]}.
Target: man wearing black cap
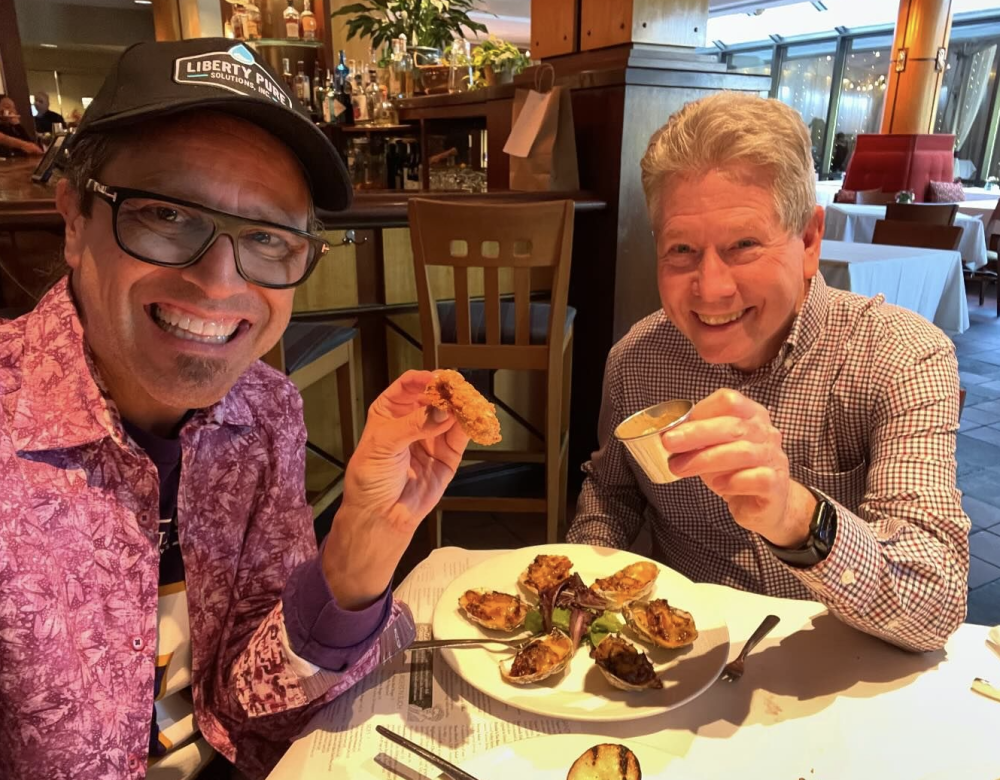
{"points": [[156, 551]]}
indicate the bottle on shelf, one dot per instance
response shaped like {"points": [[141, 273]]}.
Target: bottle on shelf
{"points": [[342, 72], [339, 101], [236, 22], [302, 90], [362, 110], [387, 109], [291, 17], [328, 94], [286, 74], [318, 92], [308, 21], [460, 77], [402, 69], [251, 21], [373, 98]]}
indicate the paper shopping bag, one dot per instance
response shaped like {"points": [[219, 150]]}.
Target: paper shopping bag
{"points": [[542, 141]]}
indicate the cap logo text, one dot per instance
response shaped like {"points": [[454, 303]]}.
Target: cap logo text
{"points": [[234, 70]]}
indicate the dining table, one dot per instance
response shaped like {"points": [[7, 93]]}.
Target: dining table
{"points": [[927, 281], [851, 222], [818, 700]]}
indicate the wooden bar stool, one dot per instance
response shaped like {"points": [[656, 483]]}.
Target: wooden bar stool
{"points": [[528, 248], [307, 353]]}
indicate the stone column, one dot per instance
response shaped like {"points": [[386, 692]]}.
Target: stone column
{"points": [[919, 56]]}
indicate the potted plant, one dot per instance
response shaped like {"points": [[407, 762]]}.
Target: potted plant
{"points": [[431, 23], [497, 61]]}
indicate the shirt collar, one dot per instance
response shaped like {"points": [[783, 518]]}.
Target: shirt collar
{"points": [[62, 401], [809, 322]]}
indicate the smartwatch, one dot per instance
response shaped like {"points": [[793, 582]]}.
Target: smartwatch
{"points": [[822, 533]]}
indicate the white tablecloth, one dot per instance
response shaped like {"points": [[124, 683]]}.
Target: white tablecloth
{"points": [[981, 193], [848, 222], [818, 700], [826, 190], [927, 281]]}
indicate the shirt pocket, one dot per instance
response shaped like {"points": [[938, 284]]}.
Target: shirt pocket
{"points": [[845, 487]]}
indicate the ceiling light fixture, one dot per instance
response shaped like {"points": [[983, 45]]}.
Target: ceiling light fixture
{"points": [[48, 46], [143, 2]]}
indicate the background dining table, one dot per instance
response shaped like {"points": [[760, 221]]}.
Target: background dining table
{"points": [[819, 700], [850, 222], [927, 281]]}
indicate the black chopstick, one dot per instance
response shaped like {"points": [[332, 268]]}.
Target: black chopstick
{"points": [[425, 754]]}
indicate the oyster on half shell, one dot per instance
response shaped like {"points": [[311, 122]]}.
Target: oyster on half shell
{"points": [[492, 609], [633, 583], [545, 572], [538, 659], [657, 622], [623, 666]]}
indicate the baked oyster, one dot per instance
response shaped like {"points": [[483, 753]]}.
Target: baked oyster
{"points": [[606, 762], [633, 583], [540, 658], [492, 609], [623, 666], [657, 622], [546, 571]]}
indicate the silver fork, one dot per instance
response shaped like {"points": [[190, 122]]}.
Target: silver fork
{"points": [[734, 669], [429, 644]]}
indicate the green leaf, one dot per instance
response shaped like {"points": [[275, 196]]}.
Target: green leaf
{"points": [[606, 624], [533, 622]]}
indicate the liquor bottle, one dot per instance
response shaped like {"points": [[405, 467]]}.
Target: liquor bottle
{"points": [[318, 93], [302, 90], [291, 16], [341, 110], [402, 69], [286, 74], [342, 72], [308, 22], [328, 94], [251, 21], [237, 22], [372, 95], [362, 111]]}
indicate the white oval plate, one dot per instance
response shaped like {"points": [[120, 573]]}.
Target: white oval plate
{"points": [[582, 693], [550, 757]]}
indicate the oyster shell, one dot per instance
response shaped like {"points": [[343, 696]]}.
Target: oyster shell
{"points": [[633, 583], [661, 624], [492, 609], [623, 666], [544, 572], [606, 762], [538, 659]]}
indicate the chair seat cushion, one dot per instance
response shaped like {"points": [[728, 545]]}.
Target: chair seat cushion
{"points": [[539, 321], [305, 342]]}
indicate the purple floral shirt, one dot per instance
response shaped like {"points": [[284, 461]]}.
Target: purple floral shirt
{"points": [[79, 567]]}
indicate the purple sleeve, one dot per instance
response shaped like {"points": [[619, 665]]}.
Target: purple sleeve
{"points": [[319, 631]]}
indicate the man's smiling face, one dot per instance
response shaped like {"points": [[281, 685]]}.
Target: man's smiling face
{"points": [[182, 337]]}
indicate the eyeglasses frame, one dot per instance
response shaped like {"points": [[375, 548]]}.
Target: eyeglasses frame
{"points": [[224, 225]]}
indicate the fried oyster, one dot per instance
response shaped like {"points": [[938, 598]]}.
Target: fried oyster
{"points": [[492, 609], [634, 582], [661, 624], [545, 572], [606, 762], [623, 666], [477, 416], [538, 659]]}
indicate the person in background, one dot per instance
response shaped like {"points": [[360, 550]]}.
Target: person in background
{"points": [[14, 139], [161, 593], [841, 152], [819, 460], [44, 116]]}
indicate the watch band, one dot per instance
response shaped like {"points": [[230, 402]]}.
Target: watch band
{"points": [[822, 534]]}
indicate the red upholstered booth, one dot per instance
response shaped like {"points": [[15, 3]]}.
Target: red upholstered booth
{"points": [[900, 162]]}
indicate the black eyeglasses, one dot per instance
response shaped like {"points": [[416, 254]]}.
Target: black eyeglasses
{"points": [[176, 234]]}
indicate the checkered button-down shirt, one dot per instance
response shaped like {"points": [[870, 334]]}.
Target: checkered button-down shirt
{"points": [[865, 395]]}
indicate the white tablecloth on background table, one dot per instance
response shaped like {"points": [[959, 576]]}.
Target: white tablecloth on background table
{"points": [[826, 190], [927, 281], [848, 222], [818, 700], [980, 193]]}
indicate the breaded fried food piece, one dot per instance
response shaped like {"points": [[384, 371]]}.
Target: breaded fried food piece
{"points": [[477, 416]]}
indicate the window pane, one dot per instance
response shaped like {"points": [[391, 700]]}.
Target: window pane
{"points": [[756, 62], [806, 77], [862, 97]]}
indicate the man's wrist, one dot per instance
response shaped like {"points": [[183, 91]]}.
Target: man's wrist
{"points": [[799, 510], [358, 562]]}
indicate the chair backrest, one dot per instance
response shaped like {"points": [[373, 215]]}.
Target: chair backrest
{"points": [[993, 229], [531, 243], [928, 214], [916, 234]]}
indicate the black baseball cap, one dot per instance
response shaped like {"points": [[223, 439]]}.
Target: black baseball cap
{"points": [[159, 79]]}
